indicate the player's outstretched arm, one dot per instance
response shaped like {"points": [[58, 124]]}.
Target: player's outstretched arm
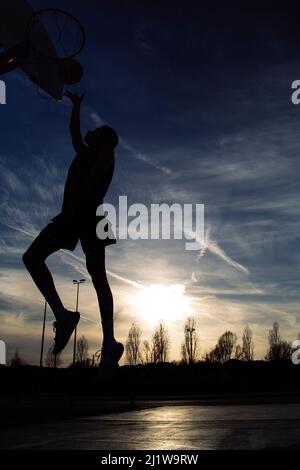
{"points": [[77, 139]]}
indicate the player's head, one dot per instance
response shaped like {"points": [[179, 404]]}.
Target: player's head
{"points": [[102, 136]]}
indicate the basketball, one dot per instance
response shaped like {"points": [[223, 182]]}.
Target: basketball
{"points": [[70, 71]]}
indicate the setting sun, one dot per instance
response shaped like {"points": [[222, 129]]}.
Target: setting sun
{"points": [[160, 302]]}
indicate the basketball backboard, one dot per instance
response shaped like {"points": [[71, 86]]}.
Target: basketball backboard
{"points": [[14, 18]]}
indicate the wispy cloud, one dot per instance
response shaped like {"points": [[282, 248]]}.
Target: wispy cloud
{"points": [[30, 234], [213, 247], [96, 119], [116, 276], [144, 158]]}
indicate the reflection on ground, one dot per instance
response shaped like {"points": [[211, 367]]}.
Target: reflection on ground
{"points": [[169, 427]]}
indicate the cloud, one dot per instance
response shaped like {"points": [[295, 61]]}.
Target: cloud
{"points": [[144, 158], [30, 234], [96, 119], [12, 182], [110, 273], [213, 247]]}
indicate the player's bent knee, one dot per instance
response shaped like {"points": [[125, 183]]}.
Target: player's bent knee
{"points": [[30, 258]]}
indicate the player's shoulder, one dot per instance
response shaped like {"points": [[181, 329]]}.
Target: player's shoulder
{"points": [[84, 150]]}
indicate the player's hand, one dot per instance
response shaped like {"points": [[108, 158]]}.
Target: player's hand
{"points": [[74, 97]]}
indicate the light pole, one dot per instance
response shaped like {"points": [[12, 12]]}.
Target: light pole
{"points": [[77, 283], [191, 331], [43, 335]]}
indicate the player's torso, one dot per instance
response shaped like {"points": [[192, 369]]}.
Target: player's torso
{"points": [[78, 175]]}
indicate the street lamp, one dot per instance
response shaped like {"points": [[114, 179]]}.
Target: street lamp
{"points": [[77, 283], [43, 334]]}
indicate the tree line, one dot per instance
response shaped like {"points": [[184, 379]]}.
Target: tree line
{"points": [[157, 349]]}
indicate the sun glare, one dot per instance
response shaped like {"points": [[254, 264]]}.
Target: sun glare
{"points": [[163, 303]]}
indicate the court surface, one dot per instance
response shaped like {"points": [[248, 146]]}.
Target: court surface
{"points": [[168, 427]]}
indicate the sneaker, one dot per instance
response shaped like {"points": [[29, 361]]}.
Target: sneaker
{"points": [[110, 356], [108, 364], [63, 330]]}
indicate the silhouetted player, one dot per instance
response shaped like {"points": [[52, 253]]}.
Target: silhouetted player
{"points": [[88, 180]]}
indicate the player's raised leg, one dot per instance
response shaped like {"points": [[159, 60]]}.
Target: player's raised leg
{"points": [[34, 260]]}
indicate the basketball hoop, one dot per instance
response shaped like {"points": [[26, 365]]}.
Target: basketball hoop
{"points": [[43, 44], [65, 31]]}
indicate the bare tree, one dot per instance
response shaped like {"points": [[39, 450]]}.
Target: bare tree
{"points": [[160, 344], [274, 335], [16, 360], [286, 351], [184, 357], [189, 349], [238, 352], [133, 345], [248, 346], [214, 355], [274, 343], [279, 349], [226, 344], [147, 353], [82, 352], [52, 360], [224, 349]]}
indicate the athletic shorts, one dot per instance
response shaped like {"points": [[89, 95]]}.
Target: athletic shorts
{"points": [[67, 236]]}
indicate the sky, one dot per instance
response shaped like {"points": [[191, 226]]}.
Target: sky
{"points": [[200, 96]]}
